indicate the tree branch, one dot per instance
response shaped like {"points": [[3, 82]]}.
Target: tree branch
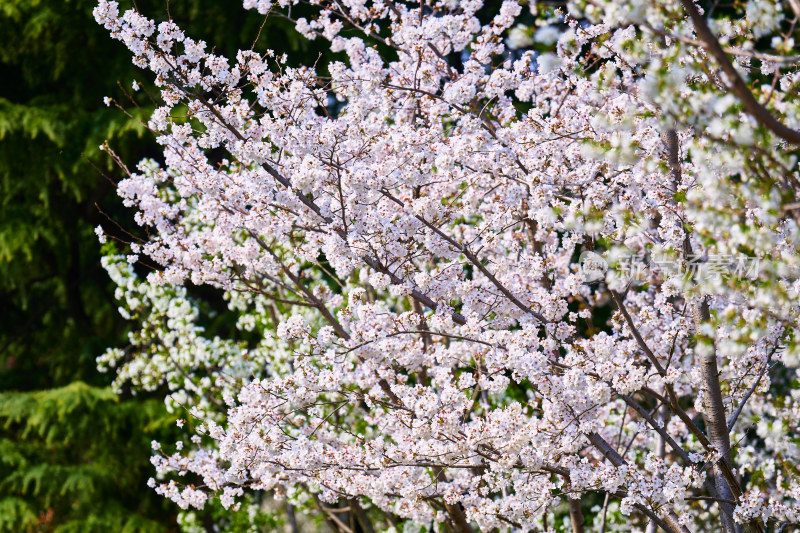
{"points": [[715, 417], [752, 389], [617, 460], [739, 87]]}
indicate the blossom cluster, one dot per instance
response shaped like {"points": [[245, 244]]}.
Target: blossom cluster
{"points": [[408, 262]]}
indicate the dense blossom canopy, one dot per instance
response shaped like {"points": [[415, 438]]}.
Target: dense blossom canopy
{"points": [[495, 260]]}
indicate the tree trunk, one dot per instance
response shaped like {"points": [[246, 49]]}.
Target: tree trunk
{"points": [[576, 516], [716, 420]]}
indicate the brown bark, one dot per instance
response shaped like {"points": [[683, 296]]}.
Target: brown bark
{"points": [[716, 420], [361, 516], [458, 520], [576, 516], [738, 86], [671, 519]]}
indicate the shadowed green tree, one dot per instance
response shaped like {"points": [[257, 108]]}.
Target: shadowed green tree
{"points": [[73, 455]]}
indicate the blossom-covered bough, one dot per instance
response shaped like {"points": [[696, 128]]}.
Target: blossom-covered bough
{"points": [[405, 233]]}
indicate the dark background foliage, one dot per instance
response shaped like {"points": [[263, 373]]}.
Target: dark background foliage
{"points": [[73, 455]]}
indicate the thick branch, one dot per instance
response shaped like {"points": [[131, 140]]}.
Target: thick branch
{"points": [[750, 392], [635, 332], [716, 419], [361, 516], [576, 516], [672, 146], [458, 519], [474, 260], [739, 87], [671, 519], [667, 438]]}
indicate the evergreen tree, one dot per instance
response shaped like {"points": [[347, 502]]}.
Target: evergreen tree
{"points": [[74, 456]]}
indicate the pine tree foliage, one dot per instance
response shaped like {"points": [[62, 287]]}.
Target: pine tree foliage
{"points": [[73, 456]]}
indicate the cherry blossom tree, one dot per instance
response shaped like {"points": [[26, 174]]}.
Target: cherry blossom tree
{"points": [[497, 263]]}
